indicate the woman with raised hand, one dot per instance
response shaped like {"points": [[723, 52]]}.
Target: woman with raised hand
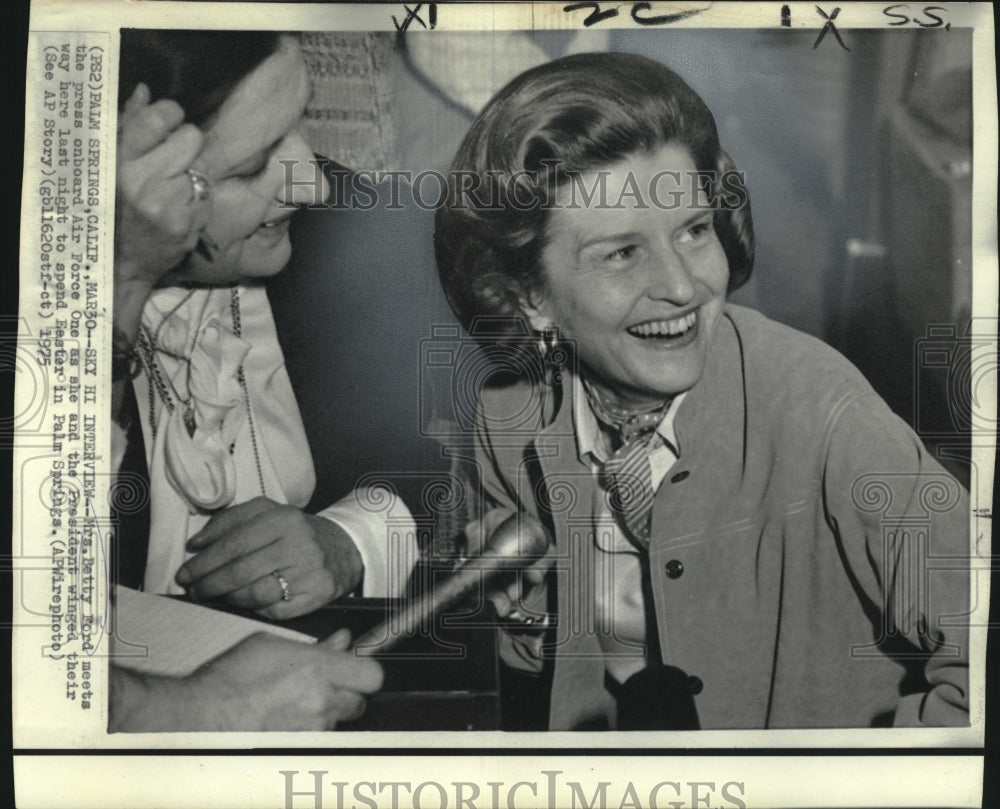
{"points": [[211, 166]]}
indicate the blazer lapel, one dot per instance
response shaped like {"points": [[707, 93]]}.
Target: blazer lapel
{"points": [[566, 496], [716, 573]]}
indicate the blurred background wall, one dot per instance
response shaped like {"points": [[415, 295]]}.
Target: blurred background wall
{"points": [[858, 165]]}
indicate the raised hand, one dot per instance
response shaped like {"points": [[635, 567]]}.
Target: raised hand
{"points": [[518, 594]]}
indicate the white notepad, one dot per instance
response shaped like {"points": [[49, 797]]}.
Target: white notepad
{"points": [[165, 636]]}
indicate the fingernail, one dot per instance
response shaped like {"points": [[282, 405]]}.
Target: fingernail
{"points": [[184, 577], [341, 638], [194, 543]]}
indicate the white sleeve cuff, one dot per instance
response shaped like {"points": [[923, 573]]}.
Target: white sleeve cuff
{"points": [[385, 535]]}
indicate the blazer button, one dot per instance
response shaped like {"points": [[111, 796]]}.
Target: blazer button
{"points": [[679, 476], [695, 685], [674, 568]]}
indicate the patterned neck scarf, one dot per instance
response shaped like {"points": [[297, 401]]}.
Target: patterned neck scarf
{"points": [[627, 472]]}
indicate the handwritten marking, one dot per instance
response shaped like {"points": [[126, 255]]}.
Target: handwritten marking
{"points": [[829, 27], [903, 19], [413, 14], [636, 12], [595, 16], [662, 19], [786, 17]]}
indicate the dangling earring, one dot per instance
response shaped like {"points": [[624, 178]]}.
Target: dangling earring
{"points": [[554, 357], [552, 353]]}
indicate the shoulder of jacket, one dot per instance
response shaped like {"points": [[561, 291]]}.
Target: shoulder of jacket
{"points": [[783, 362]]}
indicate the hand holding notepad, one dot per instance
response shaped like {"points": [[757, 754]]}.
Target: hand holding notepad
{"points": [[173, 638], [201, 670]]}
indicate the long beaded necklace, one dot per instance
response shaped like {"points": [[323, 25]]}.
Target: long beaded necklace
{"points": [[146, 345], [241, 377]]}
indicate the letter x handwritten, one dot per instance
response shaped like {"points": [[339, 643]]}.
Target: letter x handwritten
{"points": [[414, 14], [829, 27]]}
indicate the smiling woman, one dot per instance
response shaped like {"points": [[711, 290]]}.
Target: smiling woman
{"points": [[729, 499], [211, 167], [218, 415], [637, 287], [240, 149]]}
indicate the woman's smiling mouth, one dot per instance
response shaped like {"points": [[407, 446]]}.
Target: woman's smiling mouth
{"points": [[276, 223], [665, 329], [274, 230]]}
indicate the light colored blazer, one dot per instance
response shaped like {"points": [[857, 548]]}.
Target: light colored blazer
{"points": [[799, 544]]}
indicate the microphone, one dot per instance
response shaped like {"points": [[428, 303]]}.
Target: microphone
{"points": [[519, 541]]}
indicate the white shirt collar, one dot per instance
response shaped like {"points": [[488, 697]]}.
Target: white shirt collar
{"points": [[590, 443]]}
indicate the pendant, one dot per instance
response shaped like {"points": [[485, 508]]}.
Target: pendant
{"points": [[189, 420]]}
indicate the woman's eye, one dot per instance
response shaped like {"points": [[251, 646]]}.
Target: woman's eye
{"points": [[250, 171], [254, 171], [698, 230], [622, 253]]}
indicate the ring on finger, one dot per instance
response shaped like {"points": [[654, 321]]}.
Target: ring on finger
{"points": [[286, 591], [201, 188]]}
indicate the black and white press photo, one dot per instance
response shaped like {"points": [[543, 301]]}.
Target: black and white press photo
{"points": [[470, 376]]}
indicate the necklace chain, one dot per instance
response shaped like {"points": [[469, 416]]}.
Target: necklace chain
{"points": [[155, 382], [146, 345], [234, 308]]}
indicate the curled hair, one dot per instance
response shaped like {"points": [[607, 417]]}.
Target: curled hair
{"points": [[570, 116], [197, 69]]}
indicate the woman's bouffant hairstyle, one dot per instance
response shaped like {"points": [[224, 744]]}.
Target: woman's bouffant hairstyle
{"points": [[197, 69], [570, 116]]}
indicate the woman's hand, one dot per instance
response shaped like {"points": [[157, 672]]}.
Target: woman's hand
{"points": [[246, 551], [262, 683], [517, 595], [159, 217]]}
